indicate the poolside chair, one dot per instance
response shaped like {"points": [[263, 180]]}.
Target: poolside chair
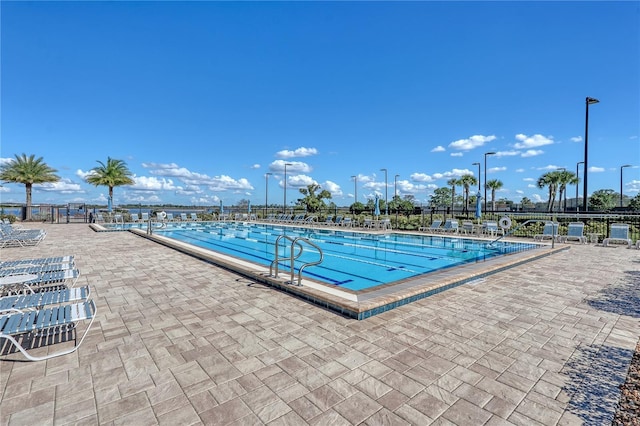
{"points": [[368, 224], [550, 231], [384, 224], [183, 217], [346, 222], [21, 302], [35, 269], [10, 237], [619, 233], [435, 226], [134, 217], [575, 231], [194, 217], [467, 227], [329, 220], [491, 228], [337, 221], [23, 329], [36, 261], [310, 220], [169, 217], [450, 225], [145, 217]]}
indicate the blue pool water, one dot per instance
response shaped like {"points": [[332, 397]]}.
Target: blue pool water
{"points": [[352, 260]]}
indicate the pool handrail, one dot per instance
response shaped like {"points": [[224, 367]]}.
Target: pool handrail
{"points": [[293, 257]]}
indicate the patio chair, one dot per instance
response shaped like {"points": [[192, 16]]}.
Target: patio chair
{"points": [[384, 224], [194, 217], [310, 220], [40, 325], [450, 225], [467, 227], [329, 220], [145, 217], [35, 269], [21, 302], [550, 231], [619, 233], [36, 261], [575, 231], [183, 217], [435, 226], [491, 228], [134, 217], [21, 237], [346, 222], [170, 217], [337, 221]]}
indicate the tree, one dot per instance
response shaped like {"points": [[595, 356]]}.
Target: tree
{"points": [[357, 207], [466, 181], [565, 178], [494, 185], [453, 182], [441, 197], [114, 173], [526, 202], [551, 180], [603, 199], [634, 204], [28, 171], [313, 202]]}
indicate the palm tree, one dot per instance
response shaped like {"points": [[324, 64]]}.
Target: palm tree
{"points": [[453, 182], [550, 179], [566, 178], [114, 173], [27, 170], [494, 185], [466, 181]]}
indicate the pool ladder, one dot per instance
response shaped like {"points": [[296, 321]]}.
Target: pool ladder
{"points": [[295, 242], [511, 231]]}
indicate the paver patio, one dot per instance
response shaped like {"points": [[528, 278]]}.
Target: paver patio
{"points": [[180, 341]]}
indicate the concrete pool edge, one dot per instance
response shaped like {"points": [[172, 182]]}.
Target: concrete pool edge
{"points": [[367, 304]]}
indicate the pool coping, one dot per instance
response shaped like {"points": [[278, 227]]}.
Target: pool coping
{"points": [[363, 304]]}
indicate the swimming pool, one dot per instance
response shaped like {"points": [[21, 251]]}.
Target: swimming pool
{"points": [[352, 261]]}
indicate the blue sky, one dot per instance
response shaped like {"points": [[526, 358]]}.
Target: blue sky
{"points": [[202, 99]]}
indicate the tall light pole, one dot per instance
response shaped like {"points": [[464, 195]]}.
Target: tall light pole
{"points": [[284, 205], [478, 164], [266, 193], [578, 183], [386, 193], [395, 194], [588, 101], [622, 167], [355, 188], [485, 178]]}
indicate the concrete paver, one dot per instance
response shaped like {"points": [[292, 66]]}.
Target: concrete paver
{"points": [[180, 341]]}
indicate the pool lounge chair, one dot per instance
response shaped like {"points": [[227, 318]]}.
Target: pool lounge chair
{"points": [[550, 231], [337, 221], [183, 217], [492, 229], [450, 226], [170, 217], [619, 233], [329, 220], [25, 328], [435, 226], [346, 222], [145, 217], [134, 217], [36, 261], [21, 302], [35, 269], [384, 224], [21, 237], [194, 217], [575, 232]]}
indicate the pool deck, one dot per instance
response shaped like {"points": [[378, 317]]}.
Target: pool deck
{"points": [[181, 341]]}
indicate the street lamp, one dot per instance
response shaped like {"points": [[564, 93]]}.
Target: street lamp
{"points": [[588, 101], [478, 164], [622, 167], [266, 193], [485, 178], [284, 205], [578, 183], [395, 194], [386, 193], [355, 188]]}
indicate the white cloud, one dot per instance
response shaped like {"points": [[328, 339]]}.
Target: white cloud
{"points": [[452, 173], [439, 148], [536, 198], [532, 153], [5, 160], [63, 186], [333, 188], [550, 167], [300, 152], [532, 141], [496, 169], [507, 153], [519, 192], [292, 167], [421, 177], [298, 181], [255, 166], [456, 154], [576, 139], [529, 179], [596, 169], [82, 174], [144, 183], [474, 141]]}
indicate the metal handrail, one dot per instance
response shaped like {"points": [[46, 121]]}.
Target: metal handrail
{"points": [[293, 257], [553, 233]]}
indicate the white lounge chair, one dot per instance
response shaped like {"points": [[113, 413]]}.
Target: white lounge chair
{"points": [[36, 261], [145, 217], [21, 302], [450, 225], [550, 231], [619, 233], [435, 226], [183, 217], [31, 326], [134, 217], [194, 217], [575, 231]]}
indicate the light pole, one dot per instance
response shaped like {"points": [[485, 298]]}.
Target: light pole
{"points": [[266, 193], [622, 167], [478, 164], [588, 101], [284, 205], [386, 193], [485, 178], [395, 194], [355, 188], [578, 183]]}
